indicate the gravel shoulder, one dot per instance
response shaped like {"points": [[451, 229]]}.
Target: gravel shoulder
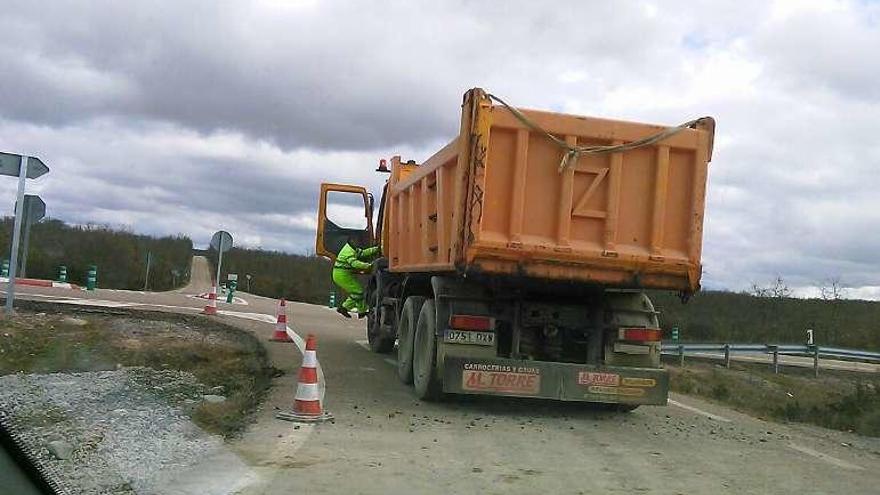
{"points": [[133, 403]]}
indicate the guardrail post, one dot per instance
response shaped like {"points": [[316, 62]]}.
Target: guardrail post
{"points": [[681, 355], [815, 361], [727, 355], [775, 350]]}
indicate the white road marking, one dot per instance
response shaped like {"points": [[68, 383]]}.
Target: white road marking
{"points": [[297, 339], [698, 411], [834, 461], [220, 299]]}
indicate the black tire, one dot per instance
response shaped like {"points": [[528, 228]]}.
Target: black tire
{"points": [[378, 318], [406, 329], [427, 384]]}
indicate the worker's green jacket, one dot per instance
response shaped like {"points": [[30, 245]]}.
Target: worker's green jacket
{"points": [[352, 258]]}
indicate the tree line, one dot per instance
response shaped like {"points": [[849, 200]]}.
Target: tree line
{"points": [[120, 256], [769, 315], [275, 274]]}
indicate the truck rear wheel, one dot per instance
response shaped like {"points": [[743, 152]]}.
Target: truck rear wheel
{"points": [[406, 330], [425, 379]]}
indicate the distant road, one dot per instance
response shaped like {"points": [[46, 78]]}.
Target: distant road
{"points": [[799, 361], [386, 441]]}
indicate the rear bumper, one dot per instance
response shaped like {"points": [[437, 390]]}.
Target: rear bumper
{"points": [[560, 381]]}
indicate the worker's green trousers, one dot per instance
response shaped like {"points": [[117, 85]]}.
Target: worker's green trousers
{"points": [[348, 282]]}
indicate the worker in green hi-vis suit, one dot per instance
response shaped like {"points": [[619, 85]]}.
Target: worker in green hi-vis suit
{"points": [[350, 261]]}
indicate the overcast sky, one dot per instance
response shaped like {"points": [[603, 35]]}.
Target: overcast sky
{"points": [[191, 116]]}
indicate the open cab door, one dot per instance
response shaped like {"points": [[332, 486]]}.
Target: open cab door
{"points": [[343, 211]]}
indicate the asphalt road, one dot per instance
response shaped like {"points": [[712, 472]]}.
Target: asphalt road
{"points": [[384, 440]]}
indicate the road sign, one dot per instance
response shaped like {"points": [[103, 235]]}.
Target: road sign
{"points": [[34, 211], [221, 241], [10, 164], [34, 208], [232, 277], [25, 167]]}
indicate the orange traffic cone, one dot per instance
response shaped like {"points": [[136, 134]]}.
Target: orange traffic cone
{"points": [[211, 307], [307, 403], [280, 334]]}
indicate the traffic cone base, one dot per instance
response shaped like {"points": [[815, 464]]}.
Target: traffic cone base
{"points": [[307, 402]]}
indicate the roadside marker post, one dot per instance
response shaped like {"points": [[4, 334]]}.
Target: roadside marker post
{"points": [[332, 303], [62, 273], [5, 270], [775, 351], [92, 278], [727, 356], [233, 285], [25, 167]]}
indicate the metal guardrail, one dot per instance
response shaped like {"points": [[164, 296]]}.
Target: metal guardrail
{"points": [[814, 351]]}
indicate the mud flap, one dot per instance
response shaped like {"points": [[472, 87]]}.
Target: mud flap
{"points": [[560, 381]]}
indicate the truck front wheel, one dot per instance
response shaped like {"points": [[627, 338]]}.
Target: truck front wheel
{"points": [[379, 325], [427, 383]]}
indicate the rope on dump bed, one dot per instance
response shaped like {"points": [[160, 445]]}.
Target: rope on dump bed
{"points": [[569, 159]]}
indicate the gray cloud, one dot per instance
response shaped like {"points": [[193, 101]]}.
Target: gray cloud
{"points": [[189, 117]]}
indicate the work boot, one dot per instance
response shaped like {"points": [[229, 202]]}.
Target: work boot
{"points": [[344, 312]]}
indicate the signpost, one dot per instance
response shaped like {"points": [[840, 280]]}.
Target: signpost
{"points": [[221, 241], [147, 275], [24, 167], [34, 211]]}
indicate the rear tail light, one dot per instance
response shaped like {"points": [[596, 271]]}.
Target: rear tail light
{"points": [[640, 334], [470, 322]]}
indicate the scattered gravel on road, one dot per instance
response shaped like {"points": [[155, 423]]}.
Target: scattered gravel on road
{"points": [[117, 432]]}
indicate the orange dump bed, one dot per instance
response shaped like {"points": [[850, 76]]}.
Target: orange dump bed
{"points": [[496, 201]]}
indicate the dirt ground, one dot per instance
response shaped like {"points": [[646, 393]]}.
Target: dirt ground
{"points": [[228, 362]]}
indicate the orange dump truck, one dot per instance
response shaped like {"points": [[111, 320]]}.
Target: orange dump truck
{"points": [[514, 259]]}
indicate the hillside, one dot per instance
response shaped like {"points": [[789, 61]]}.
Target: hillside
{"points": [[121, 256]]}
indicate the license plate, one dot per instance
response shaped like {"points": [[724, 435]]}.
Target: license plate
{"points": [[467, 337]]}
